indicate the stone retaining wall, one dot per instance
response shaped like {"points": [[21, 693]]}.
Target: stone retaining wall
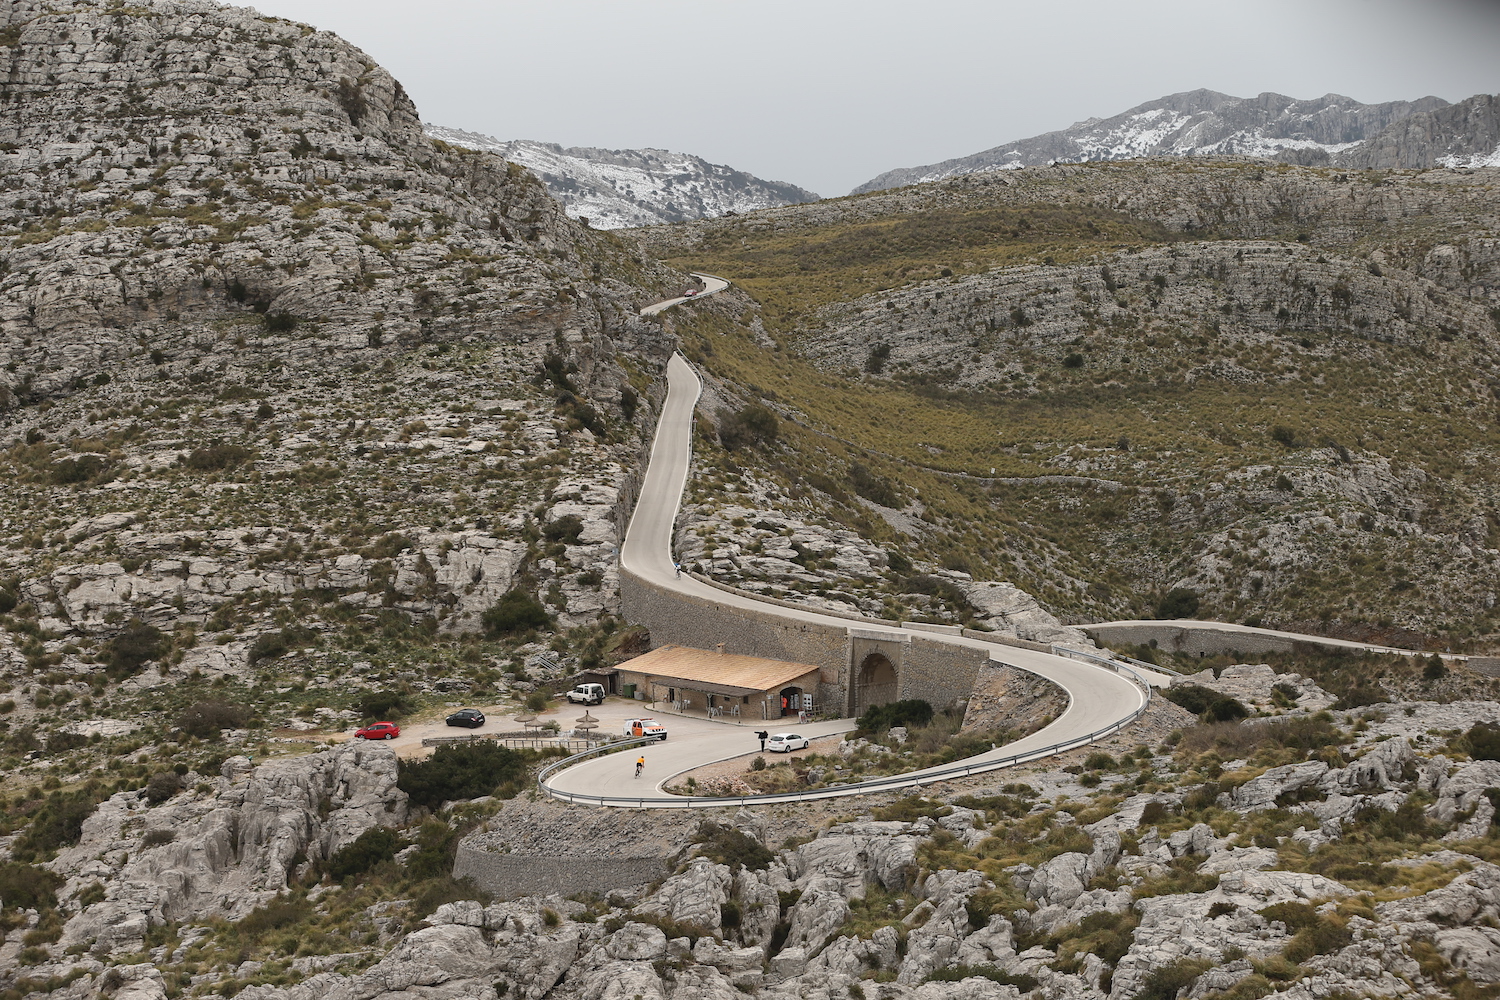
{"points": [[509, 876], [1193, 641]]}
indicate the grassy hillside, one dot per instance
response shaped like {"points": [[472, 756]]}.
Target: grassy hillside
{"points": [[1296, 429]]}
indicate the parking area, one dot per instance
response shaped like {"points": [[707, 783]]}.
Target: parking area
{"points": [[502, 719]]}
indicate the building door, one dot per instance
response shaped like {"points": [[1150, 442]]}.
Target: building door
{"points": [[791, 700]]}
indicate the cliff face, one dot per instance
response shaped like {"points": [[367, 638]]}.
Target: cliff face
{"points": [[1466, 134]]}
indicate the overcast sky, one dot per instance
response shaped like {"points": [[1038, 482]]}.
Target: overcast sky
{"points": [[827, 95]]}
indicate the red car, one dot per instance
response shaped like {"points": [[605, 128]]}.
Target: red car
{"points": [[379, 731]]}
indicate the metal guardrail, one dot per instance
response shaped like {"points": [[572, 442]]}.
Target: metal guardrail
{"points": [[892, 782], [1083, 654], [518, 742]]}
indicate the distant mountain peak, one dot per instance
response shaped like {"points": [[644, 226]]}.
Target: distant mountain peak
{"points": [[1193, 123], [624, 188]]}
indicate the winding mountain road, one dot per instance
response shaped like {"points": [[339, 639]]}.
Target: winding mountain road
{"points": [[1097, 697], [1101, 698], [711, 284]]}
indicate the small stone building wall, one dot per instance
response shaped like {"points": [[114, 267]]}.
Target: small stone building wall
{"points": [[930, 669]]}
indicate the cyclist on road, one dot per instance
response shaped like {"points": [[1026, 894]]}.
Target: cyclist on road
{"points": [[640, 765]]}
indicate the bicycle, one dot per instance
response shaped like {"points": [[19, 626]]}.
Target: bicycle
{"points": [[640, 765]]}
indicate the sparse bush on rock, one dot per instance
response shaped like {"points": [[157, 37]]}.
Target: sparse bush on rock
{"points": [[205, 719], [515, 612]]}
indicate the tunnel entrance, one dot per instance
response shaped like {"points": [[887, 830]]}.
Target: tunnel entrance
{"points": [[874, 682]]}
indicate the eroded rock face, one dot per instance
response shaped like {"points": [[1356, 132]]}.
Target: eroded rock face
{"points": [[230, 849], [356, 308]]}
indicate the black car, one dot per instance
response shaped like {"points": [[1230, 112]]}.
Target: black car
{"points": [[471, 717]]}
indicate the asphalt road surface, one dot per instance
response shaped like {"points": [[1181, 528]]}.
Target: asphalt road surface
{"points": [[1097, 696]]}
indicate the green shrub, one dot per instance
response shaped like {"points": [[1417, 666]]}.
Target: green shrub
{"points": [[1099, 761], [276, 915], [879, 718], [1484, 741], [1194, 697], [162, 786], [217, 457], [445, 889], [388, 546], [1435, 670], [28, 887], [1225, 709], [565, 529], [83, 469], [728, 846], [133, 647], [58, 823], [1179, 602], [1022, 982], [92, 893], [515, 612], [384, 705], [205, 719], [748, 427], [1166, 982], [158, 838], [1323, 936], [268, 646], [376, 845], [461, 771], [280, 322], [872, 487], [436, 843], [1294, 915]]}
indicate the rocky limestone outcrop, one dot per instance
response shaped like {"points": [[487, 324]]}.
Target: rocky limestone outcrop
{"points": [[223, 852], [1254, 684]]}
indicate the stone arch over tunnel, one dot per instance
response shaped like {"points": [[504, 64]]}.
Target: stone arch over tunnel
{"points": [[875, 682]]}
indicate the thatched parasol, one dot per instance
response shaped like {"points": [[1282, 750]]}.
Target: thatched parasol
{"points": [[586, 717], [526, 719]]}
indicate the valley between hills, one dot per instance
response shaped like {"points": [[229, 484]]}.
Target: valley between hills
{"points": [[308, 419]]}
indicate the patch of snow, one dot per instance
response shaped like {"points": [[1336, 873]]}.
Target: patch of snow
{"points": [[622, 188]]}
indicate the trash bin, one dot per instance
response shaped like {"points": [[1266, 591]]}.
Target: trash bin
{"points": [[628, 690]]}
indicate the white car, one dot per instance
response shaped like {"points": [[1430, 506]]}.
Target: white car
{"points": [[786, 743]]}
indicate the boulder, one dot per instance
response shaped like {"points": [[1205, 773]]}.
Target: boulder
{"points": [[694, 896], [1474, 950], [1262, 792], [818, 913], [1060, 880], [636, 942]]}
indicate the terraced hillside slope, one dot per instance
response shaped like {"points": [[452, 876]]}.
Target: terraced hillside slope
{"points": [[1229, 388], [290, 395]]}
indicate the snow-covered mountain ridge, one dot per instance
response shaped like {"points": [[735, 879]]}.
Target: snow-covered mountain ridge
{"points": [[623, 188], [1328, 129]]}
